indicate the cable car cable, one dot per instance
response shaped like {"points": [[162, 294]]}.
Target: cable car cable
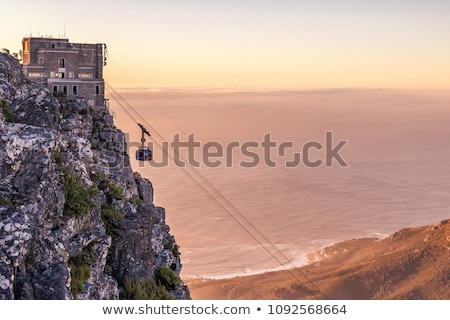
{"points": [[247, 226]]}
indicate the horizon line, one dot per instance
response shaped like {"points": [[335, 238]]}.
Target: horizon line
{"points": [[258, 89]]}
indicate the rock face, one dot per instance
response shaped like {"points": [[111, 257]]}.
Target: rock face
{"points": [[75, 221]]}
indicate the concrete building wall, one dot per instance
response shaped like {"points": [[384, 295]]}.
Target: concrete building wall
{"points": [[70, 69]]}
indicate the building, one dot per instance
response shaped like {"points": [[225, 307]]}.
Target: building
{"points": [[68, 69]]}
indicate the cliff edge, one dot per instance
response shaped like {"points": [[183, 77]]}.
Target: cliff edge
{"points": [[75, 221]]}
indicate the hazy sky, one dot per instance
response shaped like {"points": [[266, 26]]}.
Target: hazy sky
{"points": [[246, 43]]}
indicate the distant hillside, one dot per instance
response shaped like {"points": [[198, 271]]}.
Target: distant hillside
{"points": [[413, 263]]}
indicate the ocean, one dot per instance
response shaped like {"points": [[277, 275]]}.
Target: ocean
{"points": [[248, 206]]}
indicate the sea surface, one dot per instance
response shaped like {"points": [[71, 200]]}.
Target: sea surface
{"points": [[234, 220]]}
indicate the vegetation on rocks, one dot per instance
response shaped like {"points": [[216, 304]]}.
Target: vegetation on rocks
{"points": [[109, 215], [144, 289], [6, 109], [167, 277], [4, 201], [78, 197], [80, 270]]}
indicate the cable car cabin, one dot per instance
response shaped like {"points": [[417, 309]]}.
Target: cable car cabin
{"points": [[144, 154]]}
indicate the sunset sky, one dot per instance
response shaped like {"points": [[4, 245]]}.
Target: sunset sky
{"points": [[249, 43]]}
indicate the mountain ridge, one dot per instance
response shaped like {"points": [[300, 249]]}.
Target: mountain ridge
{"points": [[413, 263]]}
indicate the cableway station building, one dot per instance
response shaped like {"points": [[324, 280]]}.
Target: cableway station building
{"points": [[67, 69]]}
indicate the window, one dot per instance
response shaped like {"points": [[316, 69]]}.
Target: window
{"points": [[65, 90], [63, 75], [97, 89], [55, 89], [35, 74], [74, 90], [62, 63], [71, 75], [52, 74]]}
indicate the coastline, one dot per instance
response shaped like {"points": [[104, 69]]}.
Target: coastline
{"points": [[411, 263]]}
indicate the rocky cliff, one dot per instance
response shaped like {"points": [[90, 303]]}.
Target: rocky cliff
{"points": [[75, 221]]}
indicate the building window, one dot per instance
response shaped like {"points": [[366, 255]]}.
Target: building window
{"points": [[62, 63], [97, 89], [63, 75], [65, 90], [35, 74], [74, 90], [71, 75], [55, 89]]}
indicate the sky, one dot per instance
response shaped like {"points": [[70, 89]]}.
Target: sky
{"points": [[300, 44]]}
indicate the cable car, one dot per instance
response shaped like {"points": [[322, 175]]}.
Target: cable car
{"points": [[143, 153]]}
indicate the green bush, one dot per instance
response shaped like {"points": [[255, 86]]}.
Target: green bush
{"points": [[167, 277], [80, 270], [115, 191], [4, 201], [59, 157], [144, 289], [79, 276], [7, 112], [108, 216], [176, 250], [78, 198], [136, 201]]}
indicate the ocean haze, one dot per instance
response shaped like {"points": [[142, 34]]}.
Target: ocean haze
{"points": [[397, 151]]}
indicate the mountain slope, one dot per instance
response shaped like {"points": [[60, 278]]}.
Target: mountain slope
{"points": [[413, 263]]}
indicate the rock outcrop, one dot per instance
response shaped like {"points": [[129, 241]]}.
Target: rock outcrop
{"points": [[75, 221]]}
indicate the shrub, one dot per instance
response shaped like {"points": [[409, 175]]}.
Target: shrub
{"points": [[80, 270], [79, 276], [109, 215], [136, 201], [167, 277], [115, 191], [176, 250], [4, 201], [78, 198], [59, 157], [144, 289], [7, 112], [112, 191]]}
